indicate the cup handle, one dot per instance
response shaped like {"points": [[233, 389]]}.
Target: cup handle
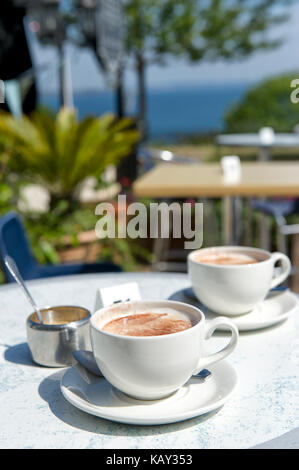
{"points": [[286, 268], [218, 356]]}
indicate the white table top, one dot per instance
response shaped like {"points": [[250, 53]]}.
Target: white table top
{"points": [[254, 140], [34, 414]]}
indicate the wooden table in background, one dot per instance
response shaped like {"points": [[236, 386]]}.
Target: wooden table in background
{"points": [[280, 140], [259, 179]]}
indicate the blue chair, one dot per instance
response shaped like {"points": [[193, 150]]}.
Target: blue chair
{"points": [[280, 209], [13, 242], [277, 207]]}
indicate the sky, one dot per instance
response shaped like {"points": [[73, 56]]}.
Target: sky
{"points": [[87, 75]]}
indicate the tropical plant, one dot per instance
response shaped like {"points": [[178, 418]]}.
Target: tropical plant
{"points": [[59, 152], [266, 104]]}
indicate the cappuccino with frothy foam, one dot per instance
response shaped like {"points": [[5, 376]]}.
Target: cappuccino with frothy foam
{"points": [[225, 258], [148, 324]]}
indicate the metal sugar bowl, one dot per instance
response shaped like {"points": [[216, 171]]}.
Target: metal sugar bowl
{"points": [[64, 329]]}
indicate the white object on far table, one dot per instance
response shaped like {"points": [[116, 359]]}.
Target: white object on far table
{"points": [[231, 168], [267, 136]]}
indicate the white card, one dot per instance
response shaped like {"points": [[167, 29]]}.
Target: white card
{"points": [[267, 135], [115, 294], [231, 168]]}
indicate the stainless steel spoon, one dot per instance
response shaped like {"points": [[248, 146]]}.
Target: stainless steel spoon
{"points": [[87, 360], [13, 269]]}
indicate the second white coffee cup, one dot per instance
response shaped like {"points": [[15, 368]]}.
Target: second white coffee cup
{"points": [[235, 289]]}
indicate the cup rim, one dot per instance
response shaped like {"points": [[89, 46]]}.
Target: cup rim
{"points": [[60, 326], [154, 337], [233, 248]]}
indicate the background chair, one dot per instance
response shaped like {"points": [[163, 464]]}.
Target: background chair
{"points": [[280, 209], [14, 242], [150, 157]]}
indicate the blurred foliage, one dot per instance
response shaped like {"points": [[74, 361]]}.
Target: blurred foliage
{"points": [[6, 198], [60, 152], [195, 30], [8, 189], [201, 30], [267, 104], [47, 231]]}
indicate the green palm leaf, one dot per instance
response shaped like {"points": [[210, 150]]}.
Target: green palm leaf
{"points": [[60, 152]]}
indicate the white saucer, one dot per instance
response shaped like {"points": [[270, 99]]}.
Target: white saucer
{"points": [[96, 396], [277, 307]]}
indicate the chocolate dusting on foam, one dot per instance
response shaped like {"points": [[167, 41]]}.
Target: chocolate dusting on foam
{"points": [[147, 324]]}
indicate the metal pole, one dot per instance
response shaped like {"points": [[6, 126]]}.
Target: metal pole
{"points": [[119, 96], [264, 154], [61, 73], [67, 86]]}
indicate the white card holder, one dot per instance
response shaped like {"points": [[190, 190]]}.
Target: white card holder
{"points": [[115, 294], [267, 136], [231, 169]]}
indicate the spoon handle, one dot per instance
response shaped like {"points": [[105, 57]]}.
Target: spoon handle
{"points": [[14, 271]]}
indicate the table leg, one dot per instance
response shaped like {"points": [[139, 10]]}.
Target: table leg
{"points": [[264, 154], [265, 235], [264, 227], [211, 224], [231, 220], [160, 246], [163, 255], [227, 216], [248, 222], [237, 222]]}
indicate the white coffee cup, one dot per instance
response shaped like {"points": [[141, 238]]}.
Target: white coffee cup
{"points": [[153, 367], [235, 289]]}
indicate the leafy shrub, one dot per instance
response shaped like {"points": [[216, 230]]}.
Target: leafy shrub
{"points": [[46, 232], [267, 104]]}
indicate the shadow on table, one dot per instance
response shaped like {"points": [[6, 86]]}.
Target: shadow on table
{"points": [[19, 354], [49, 391]]}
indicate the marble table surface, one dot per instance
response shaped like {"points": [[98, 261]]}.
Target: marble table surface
{"points": [[263, 411]]}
